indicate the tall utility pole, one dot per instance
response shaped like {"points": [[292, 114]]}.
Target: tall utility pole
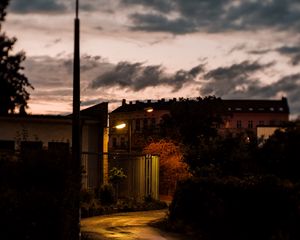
{"points": [[76, 135]]}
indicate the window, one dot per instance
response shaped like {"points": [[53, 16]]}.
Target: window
{"points": [[153, 122], [250, 124], [138, 124], [145, 123], [114, 142], [239, 124], [122, 142], [261, 122], [7, 145]]}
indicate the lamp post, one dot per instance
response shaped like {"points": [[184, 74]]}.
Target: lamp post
{"points": [[76, 141]]}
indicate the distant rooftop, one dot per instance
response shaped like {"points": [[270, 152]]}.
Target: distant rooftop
{"points": [[232, 105]]}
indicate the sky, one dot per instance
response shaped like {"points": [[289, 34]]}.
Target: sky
{"points": [[153, 49]]}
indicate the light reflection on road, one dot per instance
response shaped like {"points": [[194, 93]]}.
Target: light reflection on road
{"points": [[127, 226]]}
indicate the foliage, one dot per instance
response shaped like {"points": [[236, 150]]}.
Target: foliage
{"points": [[257, 207], [171, 165], [96, 208], [37, 197], [116, 175], [229, 155], [3, 5], [107, 194], [13, 83], [279, 154], [191, 119], [242, 189]]}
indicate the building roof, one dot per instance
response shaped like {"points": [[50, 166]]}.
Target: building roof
{"points": [[97, 113], [257, 106], [234, 106]]}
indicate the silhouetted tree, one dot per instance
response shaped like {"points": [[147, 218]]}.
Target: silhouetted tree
{"points": [[13, 82], [193, 121], [3, 5]]}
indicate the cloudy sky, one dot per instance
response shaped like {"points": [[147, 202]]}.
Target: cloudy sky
{"points": [[152, 49]]}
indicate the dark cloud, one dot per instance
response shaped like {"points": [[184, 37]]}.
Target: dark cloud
{"points": [[217, 15], [291, 51], [260, 51], [159, 5], [160, 23], [136, 76], [228, 80], [29, 6], [238, 82]]}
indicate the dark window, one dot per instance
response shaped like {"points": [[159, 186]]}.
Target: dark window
{"points": [[31, 145], [261, 122], [122, 142], [145, 122], [58, 146], [137, 124], [250, 124], [114, 142], [7, 145], [153, 122], [239, 124]]}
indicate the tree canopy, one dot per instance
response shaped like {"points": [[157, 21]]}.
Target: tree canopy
{"points": [[13, 82]]}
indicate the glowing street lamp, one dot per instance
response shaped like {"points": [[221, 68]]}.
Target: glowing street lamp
{"points": [[120, 126], [149, 109]]}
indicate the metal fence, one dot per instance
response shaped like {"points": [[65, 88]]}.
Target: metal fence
{"points": [[142, 173]]}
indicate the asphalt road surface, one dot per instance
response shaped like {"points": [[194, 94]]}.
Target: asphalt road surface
{"points": [[127, 226]]}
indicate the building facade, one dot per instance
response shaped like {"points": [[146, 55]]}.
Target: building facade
{"points": [[47, 132], [238, 116]]}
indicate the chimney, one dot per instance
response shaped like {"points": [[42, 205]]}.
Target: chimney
{"points": [[148, 101], [123, 102], [163, 100]]}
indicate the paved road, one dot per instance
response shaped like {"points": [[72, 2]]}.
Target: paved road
{"points": [[127, 226]]}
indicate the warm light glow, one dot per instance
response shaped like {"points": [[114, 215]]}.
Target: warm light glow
{"points": [[149, 109], [120, 126]]}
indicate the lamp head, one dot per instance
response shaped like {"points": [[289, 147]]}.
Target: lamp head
{"points": [[120, 126]]}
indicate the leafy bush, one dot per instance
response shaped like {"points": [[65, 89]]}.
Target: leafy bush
{"points": [[37, 192], [261, 207], [107, 195]]}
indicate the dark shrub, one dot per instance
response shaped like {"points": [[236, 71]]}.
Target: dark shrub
{"points": [[106, 194], [238, 208]]}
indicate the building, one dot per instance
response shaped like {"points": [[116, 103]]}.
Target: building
{"points": [[248, 115], [142, 119], [49, 132]]}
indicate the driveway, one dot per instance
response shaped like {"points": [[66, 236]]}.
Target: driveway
{"points": [[127, 226]]}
